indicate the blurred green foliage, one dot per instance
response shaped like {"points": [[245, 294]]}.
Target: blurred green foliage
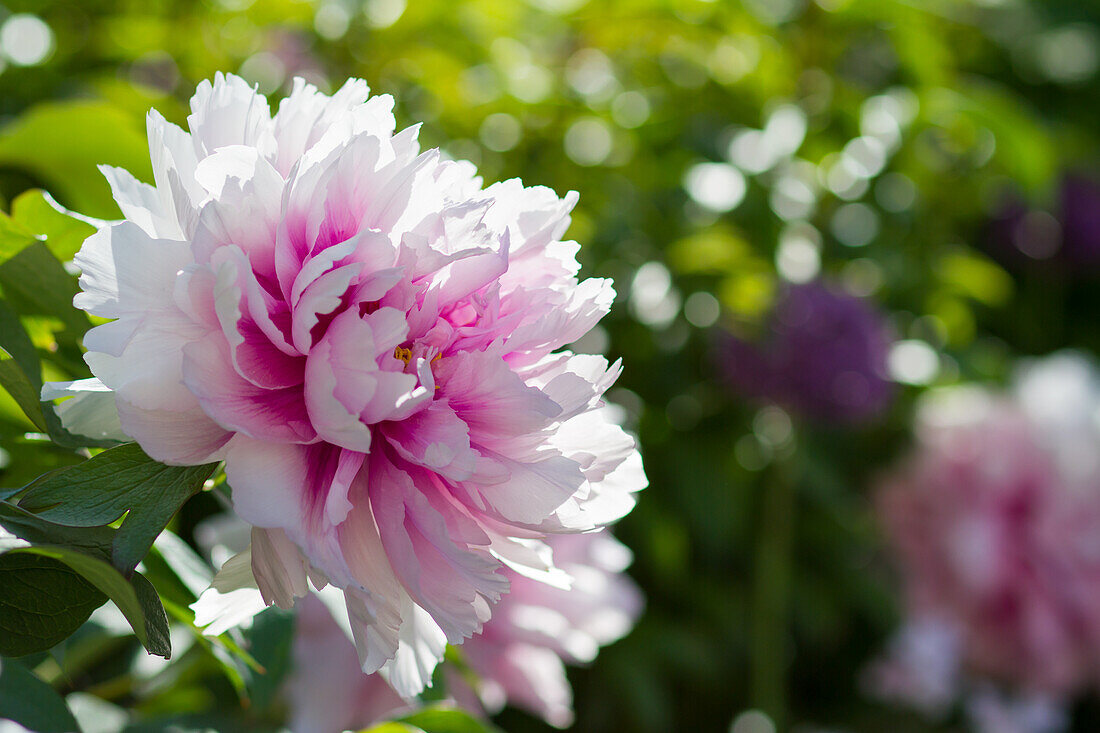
{"points": [[622, 100]]}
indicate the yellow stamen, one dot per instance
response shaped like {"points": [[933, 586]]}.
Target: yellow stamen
{"points": [[403, 354]]}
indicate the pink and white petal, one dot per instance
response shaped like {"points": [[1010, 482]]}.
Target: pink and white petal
{"points": [[594, 441], [337, 504], [436, 439], [373, 592], [217, 612], [557, 319], [326, 141], [454, 583], [535, 215], [534, 489], [333, 421], [323, 296], [530, 558], [269, 481], [242, 207], [400, 395], [270, 313], [612, 497], [396, 396], [254, 355], [324, 261], [490, 398], [344, 385], [237, 404], [112, 337], [577, 382], [176, 437], [279, 567]]}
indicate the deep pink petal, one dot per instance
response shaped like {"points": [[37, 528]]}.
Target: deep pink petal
{"points": [[237, 404]]}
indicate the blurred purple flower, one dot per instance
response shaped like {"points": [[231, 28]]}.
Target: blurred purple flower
{"points": [[1066, 237], [824, 356]]}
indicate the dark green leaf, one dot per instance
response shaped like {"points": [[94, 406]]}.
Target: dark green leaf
{"points": [[145, 614], [31, 702], [23, 377], [19, 367], [38, 213], [15, 381], [118, 480], [42, 602], [94, 541], [35, 283], [156, 620], [84, 550], [272, 636]]}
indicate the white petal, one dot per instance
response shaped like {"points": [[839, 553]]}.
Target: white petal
{"points": [[421, 648], [278, 566], [91, 411]]}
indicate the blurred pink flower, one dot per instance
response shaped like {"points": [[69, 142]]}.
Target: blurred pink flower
{"points": [[995, 526], [519, 655], [517, 658], [369, 340], [326, 691]]}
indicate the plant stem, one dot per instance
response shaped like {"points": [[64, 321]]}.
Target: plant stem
{"points": [[771, 601]]}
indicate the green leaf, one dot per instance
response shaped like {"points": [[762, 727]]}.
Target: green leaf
{"points": [[31, 702], [271, 636], [14, 237], [22, 379], [94, 541], [39, 214], [42, 602], [35, 283], [156, 620], [102, 489], [138, 602], [445, 718], [19, 367], [28, 586], [63, 142]]}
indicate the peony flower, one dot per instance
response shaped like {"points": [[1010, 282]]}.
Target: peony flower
{"points": [[371, 342], [517, 658], [994, 523], [824, 356]]}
